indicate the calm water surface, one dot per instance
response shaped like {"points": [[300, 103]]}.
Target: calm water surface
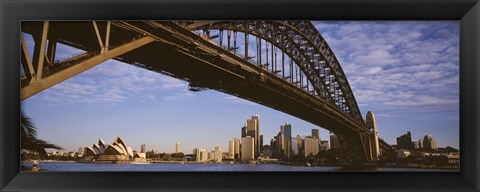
{"points": [[73, 166]]}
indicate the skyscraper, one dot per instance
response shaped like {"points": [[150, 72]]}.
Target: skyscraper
{"points": [[316, 133], [253, 130], [261, 143], [429, 143], [248, 148], [311, 145], [280, 145], [286, 129], [299, 142], [143, 148], [244, 131], [405, 141], [236, 148], [231, 149], [177, 147]]}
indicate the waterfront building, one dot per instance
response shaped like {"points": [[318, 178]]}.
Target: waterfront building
{"points": [[299, 146], [117, 152], [286, 130], [261, 143], [143, 149], [244, 130], [217, 154], [405, 141], [231, 149], [294, 146], [211, 155], [253, 130], [279, 144], [311, 146], [177, 147], [429, 143], [248, 148], [201, 155], [236, 148]]}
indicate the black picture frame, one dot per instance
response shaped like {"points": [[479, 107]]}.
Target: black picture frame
{"points": [[13, 11]]}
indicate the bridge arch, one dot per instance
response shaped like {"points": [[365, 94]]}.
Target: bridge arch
{"points": [[302, 42]]}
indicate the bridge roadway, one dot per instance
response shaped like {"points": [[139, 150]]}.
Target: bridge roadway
{"points": [[182, 54]]}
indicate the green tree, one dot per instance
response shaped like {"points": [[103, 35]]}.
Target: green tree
{"points": [[29, 140]]}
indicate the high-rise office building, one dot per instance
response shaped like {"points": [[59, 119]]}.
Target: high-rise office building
{"points": [[294, 146], [405, 141], [316, 133], [236, 148], [273, 144], [261, 143], [248, 148], [286, 130], [311, 146], [429, 143], [231, 149], [177, 147], [244, 130], [280, 145], [253, 130], [143, 148], [299, 146]]}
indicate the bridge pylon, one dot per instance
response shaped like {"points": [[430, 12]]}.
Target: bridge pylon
{"points": [[371, 125]]}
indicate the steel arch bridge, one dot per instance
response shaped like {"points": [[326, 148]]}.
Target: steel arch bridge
{"points": [[293, 69]]}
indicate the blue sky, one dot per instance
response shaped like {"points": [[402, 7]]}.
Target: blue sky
{"points": [[406, 72]]}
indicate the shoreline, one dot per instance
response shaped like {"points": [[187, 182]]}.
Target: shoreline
{"points": [[352, 167]]}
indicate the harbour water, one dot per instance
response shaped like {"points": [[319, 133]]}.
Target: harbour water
{"points": [[177, 167]]}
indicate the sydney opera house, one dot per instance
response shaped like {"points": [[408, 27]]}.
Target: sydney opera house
{"points": [[117, 152]]}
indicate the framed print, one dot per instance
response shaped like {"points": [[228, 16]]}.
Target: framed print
{"points": [[327, 95]]}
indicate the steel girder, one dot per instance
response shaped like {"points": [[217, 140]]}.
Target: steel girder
{"points": [[44, 71], [302, 42]]}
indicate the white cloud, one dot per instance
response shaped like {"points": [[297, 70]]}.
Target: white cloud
{"points": [[400, 66], [113, 82], [180, 97]]}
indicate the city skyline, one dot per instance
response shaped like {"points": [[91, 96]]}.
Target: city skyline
{"points": [[98, 102]]}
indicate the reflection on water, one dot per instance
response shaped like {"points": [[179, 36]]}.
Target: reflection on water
{"points": [[72, 166]]}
